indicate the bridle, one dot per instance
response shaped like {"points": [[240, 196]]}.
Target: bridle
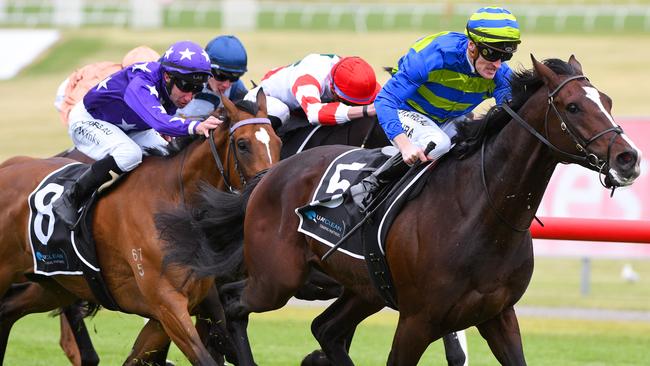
{"points": [[233, 151], [581, 145]]}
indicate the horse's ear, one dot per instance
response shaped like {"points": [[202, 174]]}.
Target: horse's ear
{"points": [[231, 109], [261, 103], [547, 75], [575, 64]]}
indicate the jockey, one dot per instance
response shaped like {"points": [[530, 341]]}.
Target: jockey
{"points": [[75, 86], [443, 77], [127, 112], [329, 89], [229, 61]]}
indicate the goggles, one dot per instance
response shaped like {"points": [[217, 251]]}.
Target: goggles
{"points": [[187, 86], [223, 76], [492, 54]]}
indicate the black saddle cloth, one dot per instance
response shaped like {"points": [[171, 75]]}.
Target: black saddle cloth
{"points": [[56, 249]]}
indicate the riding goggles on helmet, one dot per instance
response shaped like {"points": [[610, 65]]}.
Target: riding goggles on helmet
{"points": [[492, 54], [220, 75], [187, 86]]}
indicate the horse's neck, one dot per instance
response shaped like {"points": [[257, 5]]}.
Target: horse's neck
{"points": [[517, 168], [199, 164]]}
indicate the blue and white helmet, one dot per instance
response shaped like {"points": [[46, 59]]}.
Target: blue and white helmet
{"points": [[227, 54], [188, 60]]}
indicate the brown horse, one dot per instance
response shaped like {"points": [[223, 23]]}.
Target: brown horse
{"points": [[460, 253], [129, 247]]}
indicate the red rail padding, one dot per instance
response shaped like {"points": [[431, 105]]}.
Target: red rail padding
{"points": [[562, 228]]}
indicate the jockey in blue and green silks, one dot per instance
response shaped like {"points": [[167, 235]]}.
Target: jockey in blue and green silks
{"points": [[445, 76], [442, 78]]}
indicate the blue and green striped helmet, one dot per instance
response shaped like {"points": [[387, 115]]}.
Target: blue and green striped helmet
{"points": [[494, 25]]}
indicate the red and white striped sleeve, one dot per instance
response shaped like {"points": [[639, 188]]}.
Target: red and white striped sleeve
{"points": [[307, 91]]}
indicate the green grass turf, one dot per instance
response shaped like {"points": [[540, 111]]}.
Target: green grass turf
{"points": [[282, 338]]}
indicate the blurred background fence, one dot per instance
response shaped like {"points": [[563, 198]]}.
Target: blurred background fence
{"points": [[360, 16]]}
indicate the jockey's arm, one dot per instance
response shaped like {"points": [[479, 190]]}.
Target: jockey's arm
{"points": [[362, 111]]}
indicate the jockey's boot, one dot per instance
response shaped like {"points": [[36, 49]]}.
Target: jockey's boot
{"points": [[363, 192], [98, 176]]}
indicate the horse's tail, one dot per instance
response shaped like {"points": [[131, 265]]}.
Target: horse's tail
{"points": [[208, 238]]}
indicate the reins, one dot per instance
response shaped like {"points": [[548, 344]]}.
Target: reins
{"points": [[232, 150], [582, 146]]}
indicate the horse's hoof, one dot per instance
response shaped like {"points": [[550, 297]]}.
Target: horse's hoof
{"points": [[316, 358]]}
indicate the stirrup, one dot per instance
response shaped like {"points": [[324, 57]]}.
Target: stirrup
{"points": [[362, 193]]}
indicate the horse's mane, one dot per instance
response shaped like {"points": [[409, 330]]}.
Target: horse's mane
{"points": [[524, 84], [178, 144]]}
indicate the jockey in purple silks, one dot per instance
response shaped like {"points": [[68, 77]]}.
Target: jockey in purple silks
{"points": [[130, 111]]}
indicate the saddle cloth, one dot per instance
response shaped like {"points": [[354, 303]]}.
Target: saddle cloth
{"points": [[332, 213], [56, 249]]}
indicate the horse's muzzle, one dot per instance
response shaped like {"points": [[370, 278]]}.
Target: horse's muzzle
{"points": [[624, 168]]}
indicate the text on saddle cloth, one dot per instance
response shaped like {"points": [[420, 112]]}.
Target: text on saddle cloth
{"points": [[332, 212], [56, 250]]}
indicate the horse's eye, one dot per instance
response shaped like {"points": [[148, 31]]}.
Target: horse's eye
{"points": [[572, 108], [242, 145]]}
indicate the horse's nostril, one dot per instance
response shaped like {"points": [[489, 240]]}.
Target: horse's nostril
{"points": [[627, 158]]}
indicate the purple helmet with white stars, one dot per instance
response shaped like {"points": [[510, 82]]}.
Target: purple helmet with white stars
{"points": [[188, 60]]}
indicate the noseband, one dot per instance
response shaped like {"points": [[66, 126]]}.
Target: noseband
{"points": [[231, 150]]}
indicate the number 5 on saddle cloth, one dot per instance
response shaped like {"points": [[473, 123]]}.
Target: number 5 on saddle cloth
{"points": [[332, 216]]}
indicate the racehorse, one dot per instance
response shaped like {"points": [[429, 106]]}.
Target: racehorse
{"points": [[460, 253], [129, 247], [298, 135]]}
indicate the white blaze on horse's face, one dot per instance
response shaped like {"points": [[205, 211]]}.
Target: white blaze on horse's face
{"points": [[262, 136], [593, 95]]}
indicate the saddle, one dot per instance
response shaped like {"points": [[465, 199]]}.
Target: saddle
{"points": [[56, 249]]}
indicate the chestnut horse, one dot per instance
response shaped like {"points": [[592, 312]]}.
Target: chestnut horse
{"points": [[460, 253], [129, 247]]}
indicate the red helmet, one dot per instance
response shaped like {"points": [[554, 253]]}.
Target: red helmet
{"points": [[354, 81]]}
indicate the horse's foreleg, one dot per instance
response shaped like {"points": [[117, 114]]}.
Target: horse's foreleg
{"points": [[412, 337], [237, 320], [456, 348], [334, 328], [75, 340], [211, 325], [24, 299], [174, 316], [503, 337], [150, 347]]}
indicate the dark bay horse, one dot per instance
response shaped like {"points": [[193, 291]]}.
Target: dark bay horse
{"points": [[363, 132], [129, 247], [461, 252]]}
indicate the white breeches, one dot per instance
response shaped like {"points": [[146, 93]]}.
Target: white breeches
{"points": [[420, 129], [274, 106], [98, 139]]}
